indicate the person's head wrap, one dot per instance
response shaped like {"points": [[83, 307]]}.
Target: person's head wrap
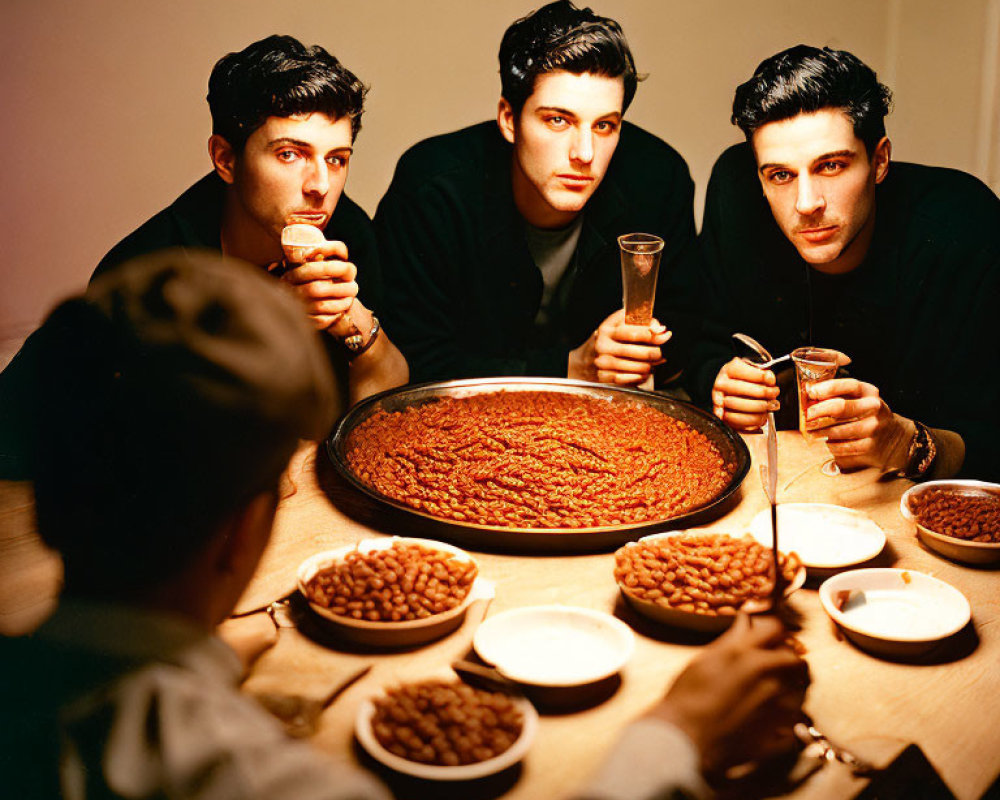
{"points": [[172, 392]]}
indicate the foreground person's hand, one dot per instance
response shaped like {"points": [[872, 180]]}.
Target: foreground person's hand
{"points": [[619, 353], [739, 700], [325, 283], [865, 432], [743, 394]]}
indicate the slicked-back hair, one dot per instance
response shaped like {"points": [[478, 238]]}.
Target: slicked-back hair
{"points": [[280, 77], [560, 36], [806, 79]]}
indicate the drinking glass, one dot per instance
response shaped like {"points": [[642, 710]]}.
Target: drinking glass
{"points": [[640, 253], [814, 365]]}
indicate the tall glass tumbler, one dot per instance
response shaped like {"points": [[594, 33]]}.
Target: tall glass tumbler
{"points": [[640, 254]]}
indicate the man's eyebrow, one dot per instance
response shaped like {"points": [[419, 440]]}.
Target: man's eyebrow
{"points": [[567, 113], [291, 141], [836, 154], [556, 110], [306, 145]]}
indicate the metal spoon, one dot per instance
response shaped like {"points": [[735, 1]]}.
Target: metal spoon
{"points": [[766, 361]]}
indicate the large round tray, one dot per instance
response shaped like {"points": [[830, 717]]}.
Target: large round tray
{"points": [[491, 537]]}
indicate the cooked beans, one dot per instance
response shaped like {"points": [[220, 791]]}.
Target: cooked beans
{"points": [[973, 516], [538, 460], [404, 582], [448, 724], [705, 573]]}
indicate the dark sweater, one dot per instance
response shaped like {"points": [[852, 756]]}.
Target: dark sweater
{"points": [[462, 291], [918, 316]]}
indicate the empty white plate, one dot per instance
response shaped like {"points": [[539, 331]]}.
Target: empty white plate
{"points": [[824, 537], [555, 645]]}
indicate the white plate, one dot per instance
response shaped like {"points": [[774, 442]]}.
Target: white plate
{"points": [[693, 620], [391, 634], [823, 536], [951, 546], [555, 645], [894, 611], [464, 772]]}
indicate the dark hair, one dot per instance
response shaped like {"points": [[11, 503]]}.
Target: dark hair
{"points": [[561, 36], [804, 79], [278, 77], [170, 394]]}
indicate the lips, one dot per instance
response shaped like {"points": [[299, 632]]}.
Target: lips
{"points": [[819, 235], [574, 181], [306, 217]]}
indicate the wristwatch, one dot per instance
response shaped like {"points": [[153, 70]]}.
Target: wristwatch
{"points": [[356, 343], [921, 454]]}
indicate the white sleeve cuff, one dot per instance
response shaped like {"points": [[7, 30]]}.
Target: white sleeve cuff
{"points": [[653, 760]]}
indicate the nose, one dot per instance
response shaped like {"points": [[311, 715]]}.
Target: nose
{"points": [[582, 149], [810, 198], [316, 180]]}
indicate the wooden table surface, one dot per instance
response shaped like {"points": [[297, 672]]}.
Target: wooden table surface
{"points": [[945, 703]]}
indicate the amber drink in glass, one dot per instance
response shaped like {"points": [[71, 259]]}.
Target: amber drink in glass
{"points": [[813, 365]]}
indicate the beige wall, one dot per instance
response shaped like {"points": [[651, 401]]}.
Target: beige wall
{"points": [[105, 120]]}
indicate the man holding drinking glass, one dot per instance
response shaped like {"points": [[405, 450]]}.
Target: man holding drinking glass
{"points": [[499, 241], [810, 238]]}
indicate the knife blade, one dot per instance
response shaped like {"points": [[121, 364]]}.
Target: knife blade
{"points": [[769, 478]]}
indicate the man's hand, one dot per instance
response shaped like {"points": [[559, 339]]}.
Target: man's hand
{"points": [[619, 353], [739, 700], [865, 432], [325, 283], [743, 394]]}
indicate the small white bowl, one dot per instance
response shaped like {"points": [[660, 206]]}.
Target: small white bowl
{"points": [[824, 537], [894, 612], [391, 634], [693, 620], [950, 546], [434, 772], [555, 646]]}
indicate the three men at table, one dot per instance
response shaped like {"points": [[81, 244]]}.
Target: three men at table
{"points": [[897, 266]]}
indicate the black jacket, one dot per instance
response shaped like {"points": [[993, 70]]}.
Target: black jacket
{"points": [[918, 316], [462, 290]]}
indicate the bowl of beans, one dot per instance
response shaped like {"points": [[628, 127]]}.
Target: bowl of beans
{"points": [[392, 592], [959, 519], [446, 730], [538, 463], [700, 580]]}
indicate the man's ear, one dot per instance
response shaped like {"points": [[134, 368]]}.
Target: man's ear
{"points": [[506, 120], [881, 158], [246, 535], [223, 157]]}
